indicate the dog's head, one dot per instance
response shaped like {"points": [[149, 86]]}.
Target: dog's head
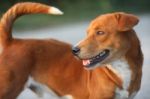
{"points": [[106, 39]]}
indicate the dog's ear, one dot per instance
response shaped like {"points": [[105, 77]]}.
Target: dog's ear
{"points": [[125, 21]]}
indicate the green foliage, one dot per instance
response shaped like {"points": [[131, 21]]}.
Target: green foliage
{"points": [[76, 10], [138, 6]]}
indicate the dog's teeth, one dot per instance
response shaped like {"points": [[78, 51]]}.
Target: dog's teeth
{"points": [[92, 59], [102, 53], [97, 56]]}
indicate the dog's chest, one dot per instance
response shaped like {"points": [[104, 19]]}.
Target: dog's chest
{"points": [[122, 69]]}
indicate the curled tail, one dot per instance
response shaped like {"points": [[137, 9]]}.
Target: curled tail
{"points": [[18, 10]]}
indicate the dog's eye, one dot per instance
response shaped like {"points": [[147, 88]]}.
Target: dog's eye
{"points": [[100, 32]]}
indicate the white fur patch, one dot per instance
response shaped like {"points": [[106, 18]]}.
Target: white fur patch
{"points": [[55, 11], [121, 94], [44, 92], [123, 70]]}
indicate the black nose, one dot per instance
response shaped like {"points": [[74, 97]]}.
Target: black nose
{"points": [[75, 50]]}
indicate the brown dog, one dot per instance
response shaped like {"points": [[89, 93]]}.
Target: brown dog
{"points": [[111, 54], [112, 59]]}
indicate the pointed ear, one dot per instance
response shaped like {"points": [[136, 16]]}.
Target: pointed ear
{"points": [[126, 21]]}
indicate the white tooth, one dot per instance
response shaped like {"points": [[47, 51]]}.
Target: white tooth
{"points": [[102, 53], [97, 56]]}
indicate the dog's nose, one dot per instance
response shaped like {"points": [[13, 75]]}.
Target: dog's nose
{"points": [[75, 50]]}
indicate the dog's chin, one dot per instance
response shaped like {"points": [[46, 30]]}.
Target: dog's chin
{"points": [[96, 61]]}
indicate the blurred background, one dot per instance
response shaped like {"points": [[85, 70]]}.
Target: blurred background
{"points": [[75, 11], [71, 27]]}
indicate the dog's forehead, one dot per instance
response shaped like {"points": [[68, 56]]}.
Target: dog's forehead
{"points": [[102, 21]]}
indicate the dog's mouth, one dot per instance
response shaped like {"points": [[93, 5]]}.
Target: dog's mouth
{"points": [[96, 59]]}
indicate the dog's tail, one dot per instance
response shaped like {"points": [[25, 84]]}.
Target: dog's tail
{"points": [[18, 10]]}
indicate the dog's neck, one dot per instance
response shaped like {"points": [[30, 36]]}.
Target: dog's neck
{"points": [[122, 69]]}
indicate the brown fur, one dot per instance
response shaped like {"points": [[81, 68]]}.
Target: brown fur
{"points": [[51, 62]]}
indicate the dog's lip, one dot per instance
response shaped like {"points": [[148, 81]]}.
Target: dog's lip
{"points": [[96, 59]]}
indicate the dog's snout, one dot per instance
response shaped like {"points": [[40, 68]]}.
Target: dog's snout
{"points": [[75, 50]]}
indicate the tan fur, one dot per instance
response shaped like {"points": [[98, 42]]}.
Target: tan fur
{"points": [[51, 62]]}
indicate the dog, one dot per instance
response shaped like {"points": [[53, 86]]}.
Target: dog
{"points": [[108, 64]]}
